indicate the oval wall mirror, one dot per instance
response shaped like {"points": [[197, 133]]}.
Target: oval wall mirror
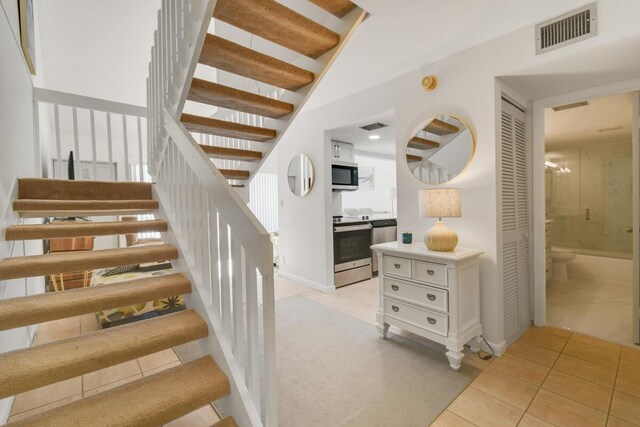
{"points": [[300, 175], [440, 150]]}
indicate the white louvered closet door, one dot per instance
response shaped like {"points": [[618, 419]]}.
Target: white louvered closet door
{"points": [[515, 222]]}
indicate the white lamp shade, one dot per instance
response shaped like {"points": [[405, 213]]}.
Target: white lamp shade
{"points": [[392, 193], [440, 203]]}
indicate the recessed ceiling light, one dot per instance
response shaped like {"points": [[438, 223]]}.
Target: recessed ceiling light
{"points": [[374, 136]]}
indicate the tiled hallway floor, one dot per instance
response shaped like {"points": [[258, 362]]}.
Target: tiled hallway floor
{"points": [[597, 307], [553, 377], [58, 394]]}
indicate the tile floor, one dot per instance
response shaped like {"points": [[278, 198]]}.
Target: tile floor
{"points": [[54, 395], [597, 307], [553, 377], [549, 377]]}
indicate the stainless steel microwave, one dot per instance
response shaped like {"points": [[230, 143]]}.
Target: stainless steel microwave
{"points": [[344, 176]]}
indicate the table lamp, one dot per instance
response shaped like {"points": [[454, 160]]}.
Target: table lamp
{"points": [[440, 203]]}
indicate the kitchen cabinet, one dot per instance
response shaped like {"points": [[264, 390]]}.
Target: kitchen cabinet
{"points": [[435, 295], [342, 151]]}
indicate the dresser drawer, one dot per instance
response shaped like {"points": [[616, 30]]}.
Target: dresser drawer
{"points": [[422, 318], [429, 272], [397, 266], [426, 296]]}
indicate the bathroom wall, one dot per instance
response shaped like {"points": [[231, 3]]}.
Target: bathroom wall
{"points": [[597, 177]]}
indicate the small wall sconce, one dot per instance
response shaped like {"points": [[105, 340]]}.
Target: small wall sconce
{"points": [[429, 83]]}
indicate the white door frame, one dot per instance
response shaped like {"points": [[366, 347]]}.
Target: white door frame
{"points": [[538, 191], [635, 158]]}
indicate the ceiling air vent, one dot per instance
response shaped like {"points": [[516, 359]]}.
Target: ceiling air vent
{"points": [[374, 126], [572, 27]]}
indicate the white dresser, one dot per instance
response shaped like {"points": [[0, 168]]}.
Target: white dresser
{"points": [[432, 294]]}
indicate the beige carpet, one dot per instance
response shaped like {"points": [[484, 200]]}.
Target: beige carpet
{"points": [[334, 370]]}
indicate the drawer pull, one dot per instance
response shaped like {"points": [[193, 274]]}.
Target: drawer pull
{"points": [[431, 272], [396, 265], [395, 287], [395, 308], [431, 320], [431, 297]]}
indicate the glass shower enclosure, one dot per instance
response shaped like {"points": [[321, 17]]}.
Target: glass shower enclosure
{"points": [[589, 198]]}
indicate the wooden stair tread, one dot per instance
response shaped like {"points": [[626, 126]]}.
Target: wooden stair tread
{"points": [[40, 365], [231, 153], [67, 229], [226, 422], [235, 173], [412, 158], [35, 309], [226, 129], [40, 265], [234, 58], [338, 8], [440, 128], [219, 95], [62, 189], [277, 23], [421, 143], [153, 400], [38, 208]]}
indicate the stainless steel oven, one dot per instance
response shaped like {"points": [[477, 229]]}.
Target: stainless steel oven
{"points": [[344, 176], [351, 253]]}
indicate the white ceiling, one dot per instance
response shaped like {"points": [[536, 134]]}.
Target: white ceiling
{"points": [[582, 124], [401, 35], [360, 138]]}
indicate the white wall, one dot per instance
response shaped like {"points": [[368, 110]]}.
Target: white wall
{"points": [[468, 88], [98, 48], [384, 176], [16, 159]]}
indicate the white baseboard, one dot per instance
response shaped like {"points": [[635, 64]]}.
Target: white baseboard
{"points": [[306, 282], [498, 348]]}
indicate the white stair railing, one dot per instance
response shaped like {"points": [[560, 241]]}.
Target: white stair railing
{"points": [[224, 249], [108, 139]]}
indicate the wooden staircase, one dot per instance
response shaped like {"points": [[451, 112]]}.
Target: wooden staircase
{"points": [[153, 400], [284, 27]]}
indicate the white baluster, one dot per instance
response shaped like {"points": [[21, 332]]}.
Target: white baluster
{"points": [[94, 154], [239, 280], [225, 285], [56, 119], [140, 163], [76, 144], [127, 168], [253, 351], [110, 148]]}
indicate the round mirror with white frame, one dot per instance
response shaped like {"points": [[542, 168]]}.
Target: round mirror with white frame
{"points": [[441, 149], [300, 175]]}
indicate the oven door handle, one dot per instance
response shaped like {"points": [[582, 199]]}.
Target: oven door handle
{"points": [[352, 228]]}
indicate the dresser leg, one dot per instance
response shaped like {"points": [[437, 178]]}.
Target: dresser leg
{"points": [[455, 358], [383, 328], [475, 344]]}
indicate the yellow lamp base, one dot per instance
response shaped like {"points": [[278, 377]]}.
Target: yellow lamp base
{"points": [[441, 238]]}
